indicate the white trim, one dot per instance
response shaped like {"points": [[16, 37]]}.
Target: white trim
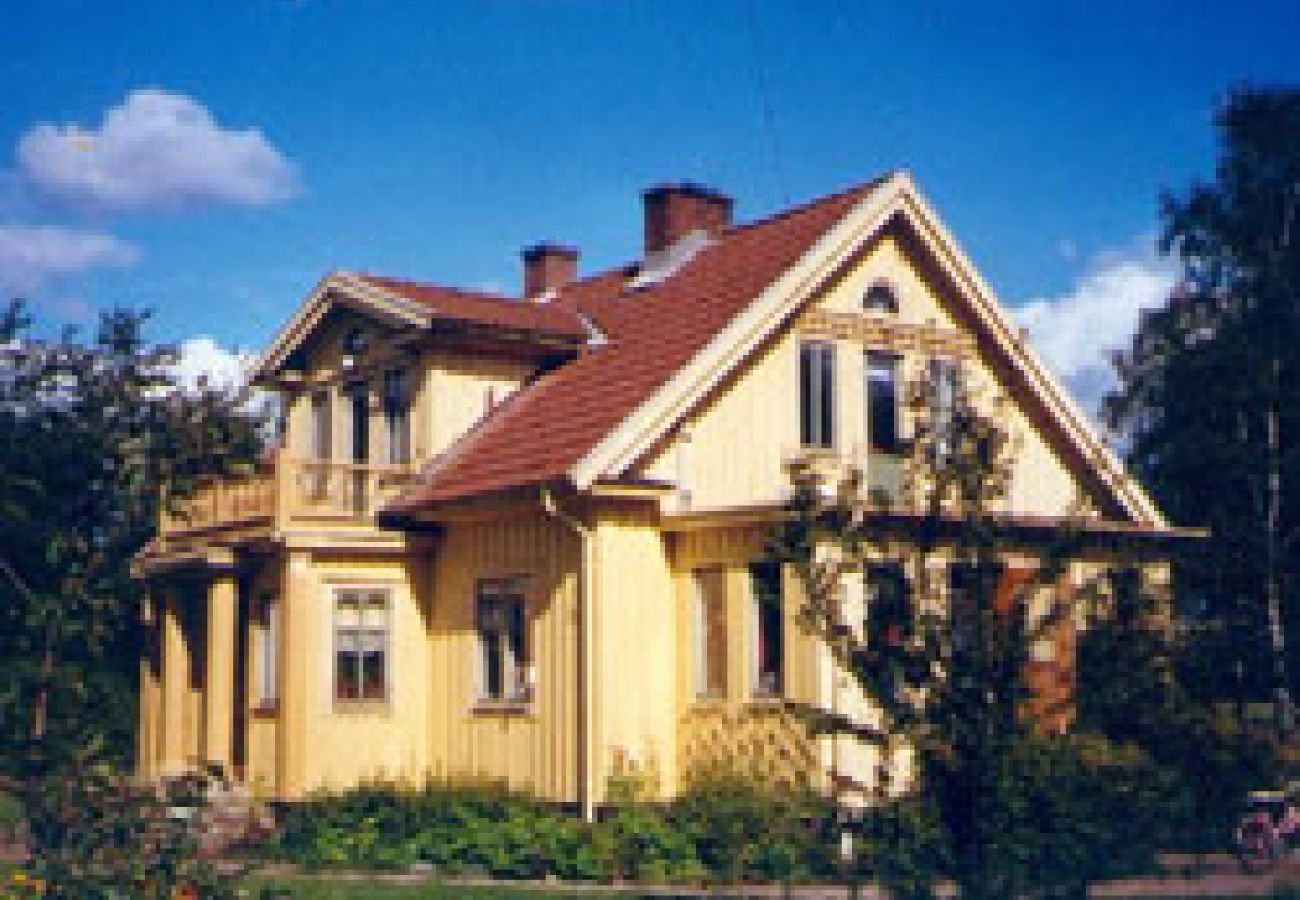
{"points": [[733, 344], [649, 422], [337, 289]]}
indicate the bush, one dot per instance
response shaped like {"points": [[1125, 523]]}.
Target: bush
{"points": [[99, 834], [744, 829], [903, 847], [721, 828], [458, 828]]}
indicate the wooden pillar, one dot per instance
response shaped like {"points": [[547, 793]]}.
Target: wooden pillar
{"points": [[296, 628], [146, 761], [175, 686], [219, 685]]}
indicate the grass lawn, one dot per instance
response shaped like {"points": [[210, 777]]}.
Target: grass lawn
{"points": [[319, 889]]}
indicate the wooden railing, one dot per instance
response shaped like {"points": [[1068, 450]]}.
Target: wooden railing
{"points": [[290, 491]]}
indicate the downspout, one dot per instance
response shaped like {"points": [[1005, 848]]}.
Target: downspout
{"points": [[586, 591]]}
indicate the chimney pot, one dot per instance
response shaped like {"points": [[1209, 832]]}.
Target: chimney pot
{"points": [[673, 211], [548, 267]]}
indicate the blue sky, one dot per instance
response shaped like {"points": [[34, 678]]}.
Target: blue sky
{"points": [[434, 139]]}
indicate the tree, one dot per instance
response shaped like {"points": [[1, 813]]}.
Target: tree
{"points": [[1209, 394], [949, 668], [94, 437]]}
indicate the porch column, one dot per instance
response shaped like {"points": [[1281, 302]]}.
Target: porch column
{"points": [[296, 631], [219, 709], [146, 761], [175, 686]]}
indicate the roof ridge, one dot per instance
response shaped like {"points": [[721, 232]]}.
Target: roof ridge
{"points": [[861, 187], [467, 293]]}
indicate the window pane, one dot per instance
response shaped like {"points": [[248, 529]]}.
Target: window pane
{"points": [[270, 650], [768, 627], [827, 395], [889, 605], [493, 687], [374, 686], [882, 401], [347, 675], [320, 425], [807, 377], [713, 636]]}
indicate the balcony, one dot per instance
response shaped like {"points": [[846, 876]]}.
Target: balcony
{"points": [[286, 494]]}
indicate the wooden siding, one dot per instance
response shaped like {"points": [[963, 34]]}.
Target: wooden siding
{"points": [[531, 749]]}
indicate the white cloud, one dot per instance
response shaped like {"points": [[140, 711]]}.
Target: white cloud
{"points": [[30, 257], [1076, 331], [156, 150], [203, 357]]}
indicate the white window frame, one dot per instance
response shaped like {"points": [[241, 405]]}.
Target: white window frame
{"points": [[518, 673], [385, 631], [268, 657], [703, 667]]}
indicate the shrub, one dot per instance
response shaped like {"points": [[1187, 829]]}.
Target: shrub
{"points": [[99, 834], [744, 829], [458, 828], [640, 842], [903, 846]]}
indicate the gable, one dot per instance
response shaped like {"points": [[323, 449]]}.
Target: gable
{"points": [[1037, 392], [730, 451]]}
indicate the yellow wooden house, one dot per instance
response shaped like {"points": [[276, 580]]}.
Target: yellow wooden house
{"points": [[523, 538]]}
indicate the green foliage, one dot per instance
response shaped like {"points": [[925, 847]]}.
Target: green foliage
{"points": [[464, 829], [94, 436], [743, 828], [722, 828], [1208, 402], [98, 834], [1129, 690]]}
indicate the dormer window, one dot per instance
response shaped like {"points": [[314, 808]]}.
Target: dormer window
{"points": [[880, 298]]}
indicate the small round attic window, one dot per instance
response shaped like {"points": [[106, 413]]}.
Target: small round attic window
{"points": [[880, 298], [354, 342]]}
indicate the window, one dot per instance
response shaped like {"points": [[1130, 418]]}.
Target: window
{"points": [[972, 590], [503, 644], [320, 425], [359, 405], [817, 394], [889, 613], [354, 342], [945, 383], [882, 401], [710, 621], [360, 644], [268, 688], [880, 298], [397, 417], [767, 629]]}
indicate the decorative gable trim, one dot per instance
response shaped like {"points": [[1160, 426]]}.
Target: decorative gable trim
{"points": [[337, 289], [619, 450]]}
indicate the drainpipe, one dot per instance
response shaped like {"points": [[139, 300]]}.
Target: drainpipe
{"points": [[586, 667]]}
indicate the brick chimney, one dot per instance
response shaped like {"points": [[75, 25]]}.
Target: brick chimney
{"points": [[548, 267], [673, 211]]}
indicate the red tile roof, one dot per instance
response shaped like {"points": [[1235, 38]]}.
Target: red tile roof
{"points": [[480, 308], [653, 331]]}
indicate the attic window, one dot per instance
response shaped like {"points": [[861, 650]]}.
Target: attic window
{"points": [[880, 298], [354, 342]]}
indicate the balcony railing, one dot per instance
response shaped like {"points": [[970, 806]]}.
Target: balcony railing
{"points": [[289, 492], [884, 475]]}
